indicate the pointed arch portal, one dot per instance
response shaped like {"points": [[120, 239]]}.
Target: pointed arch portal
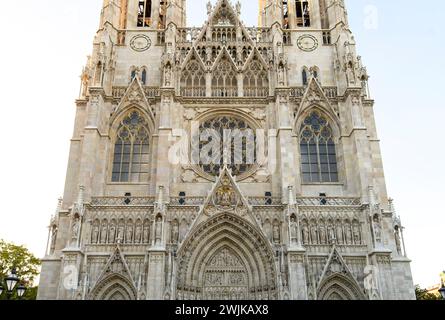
{"points": [[226, 258]]}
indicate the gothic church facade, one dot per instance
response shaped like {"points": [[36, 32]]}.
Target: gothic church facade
{"points": [[143, 217]]}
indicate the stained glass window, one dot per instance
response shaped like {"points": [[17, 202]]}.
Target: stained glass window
{"points": [[131, 151], [318, 150], [240, 145]]}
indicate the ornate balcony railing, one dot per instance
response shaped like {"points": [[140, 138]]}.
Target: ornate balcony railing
{"points": [[186, 201], [121, 201], [329, 202], [228, 92], [298, 92], [255, 92], [265, 201], [150, 92], [193, 92]]}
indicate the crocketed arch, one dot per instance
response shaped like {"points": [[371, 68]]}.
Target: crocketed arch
{"points": [[339, 287], [256, 80], [252, 252], [318, 149], [224, 79], [193, 80], [131, 149], [114, 287]]}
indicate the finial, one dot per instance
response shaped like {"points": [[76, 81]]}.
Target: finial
{"points": [[291, 195], [80, 197], [371, 195]]}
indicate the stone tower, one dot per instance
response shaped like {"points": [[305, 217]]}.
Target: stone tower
{"points": [[225, 162]]}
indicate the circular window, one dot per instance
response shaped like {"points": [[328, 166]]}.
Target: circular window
{"points": [[225, 139]]}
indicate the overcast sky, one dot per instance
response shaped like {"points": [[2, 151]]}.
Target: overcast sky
{"points": [[45, 44]]}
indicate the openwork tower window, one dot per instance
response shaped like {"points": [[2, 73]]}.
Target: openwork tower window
{"points": [[131, 152], [225, 138], [224, 82], [144, 13], [193, 80], [318, 151], [256, 81]]}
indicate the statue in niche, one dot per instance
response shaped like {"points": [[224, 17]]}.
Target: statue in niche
{"points": [[276, 233], [305, 231], [348, 234], [168, 75], [377, 229], [129, 235], [112, 233], [95, 234], [120, 233], [53, 239], [75, 228], [339, 231], [331, 233], [322, 233], [158, 230], [293, 230], [146, 232], [281, 74], [175, 232], [314, 234], [103, 234], [138, 233], [397, 239], [356, 233]]}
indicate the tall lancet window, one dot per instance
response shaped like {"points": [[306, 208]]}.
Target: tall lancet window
{"points": [[144, 13], [131, 151], [303, 13], [318, 151]]}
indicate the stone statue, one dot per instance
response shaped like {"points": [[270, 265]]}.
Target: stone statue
{"points": [[293, 230], [339, 231], [53, 239], [348, 234], [377, 230], [209, 8], [75, 229], [95, 234], [112, 234], [322, 233], [238, 8], [129, 234], [103, 234], [398, 242], [146, 233], [158, 230], [276, 233], [314, 234], [305, 232], [138, 233], [281, 75], [168, 75], [120, 234], [357, 237], [331, 233], [175, 233]]}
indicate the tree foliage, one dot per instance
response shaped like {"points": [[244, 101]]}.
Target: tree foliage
{"points": [[423, 294], [25, 263]]}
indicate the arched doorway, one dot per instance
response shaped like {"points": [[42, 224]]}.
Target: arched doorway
{"points": [[226, 258], [339, 287], [114, 287]]}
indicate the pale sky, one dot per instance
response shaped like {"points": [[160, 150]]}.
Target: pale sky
{"points": [[44, 47]]}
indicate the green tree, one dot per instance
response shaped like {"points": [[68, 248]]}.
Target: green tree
{"points": [[423, 294], [25, 263]]}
